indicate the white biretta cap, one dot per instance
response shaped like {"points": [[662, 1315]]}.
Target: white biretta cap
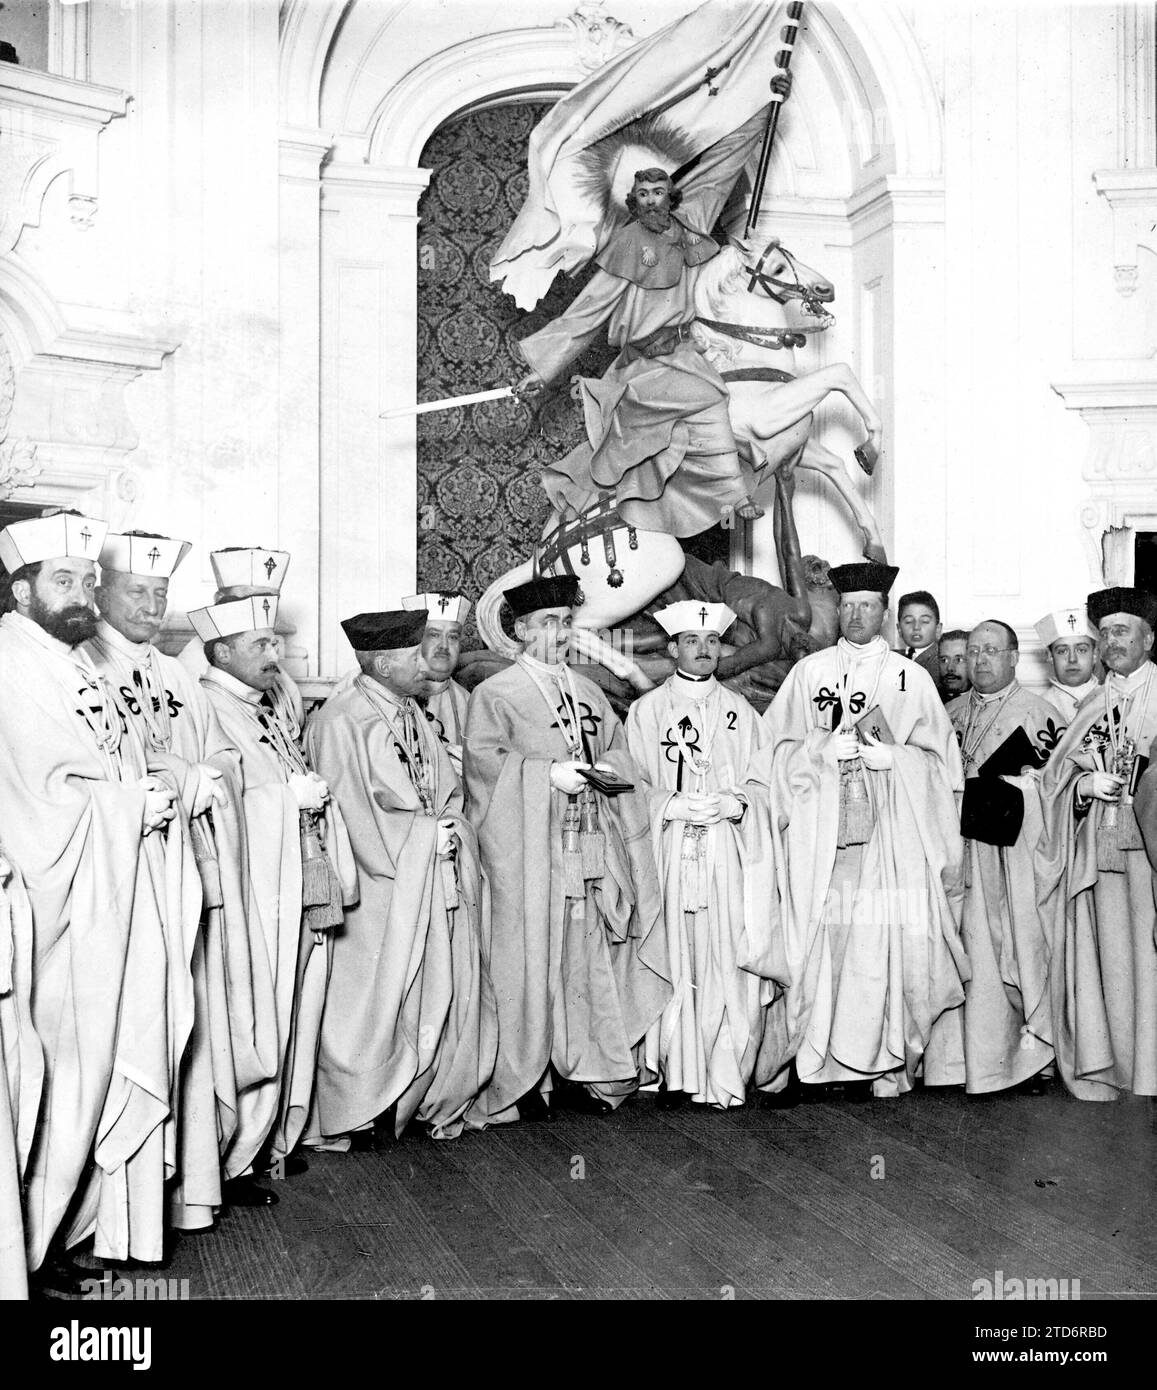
{"points": [[234, 616], [249, 566], [131, 553], [445, 608], [55, 537], [699, 617], [1064, 622]]}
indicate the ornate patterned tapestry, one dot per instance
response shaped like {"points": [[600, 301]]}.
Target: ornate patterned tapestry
{"points": [[480, 506]]}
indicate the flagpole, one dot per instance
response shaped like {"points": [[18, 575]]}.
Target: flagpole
{"points": [[782, 63]]}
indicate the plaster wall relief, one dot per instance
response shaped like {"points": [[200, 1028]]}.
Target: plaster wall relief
{"points": [[67, 364], [1111, 384]]}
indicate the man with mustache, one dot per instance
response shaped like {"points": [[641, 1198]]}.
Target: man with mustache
{"points": [[410, 1025], [83, 823], [693, 738], [578, 957], [860, 769], [184, 744], [1093, 876], [953, 664], [657, 421], [444, 701], [301, 872]]}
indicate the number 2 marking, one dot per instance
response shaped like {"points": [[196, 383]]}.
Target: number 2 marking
{"points": [[731, 719]]}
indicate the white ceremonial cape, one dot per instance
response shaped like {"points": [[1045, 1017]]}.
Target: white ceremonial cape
{"points": [[178, 729], [110, 909], [873, 931], [410, 1017], [295, 967], [1100, 921], [21, 1076], [727, 957]]}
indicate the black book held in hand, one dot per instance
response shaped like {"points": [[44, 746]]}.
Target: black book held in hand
{"points": [[993, 811], [608, 783]]}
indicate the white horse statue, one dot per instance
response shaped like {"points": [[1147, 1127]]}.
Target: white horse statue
{"points": [[740, 300]]}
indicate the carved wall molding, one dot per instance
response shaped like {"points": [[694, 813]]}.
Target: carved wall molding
{"points": [[1132, 195], [597, 36], [52, 126], [1118, 402]]}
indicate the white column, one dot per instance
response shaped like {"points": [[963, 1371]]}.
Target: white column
{"points": [[369, 248], [299, 375]]}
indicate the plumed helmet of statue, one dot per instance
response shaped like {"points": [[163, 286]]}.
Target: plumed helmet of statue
{"points": [[1072, 623], [248, 566], [234, 616], [58, 536], [1138, 603], [864, 577], [689, 616], [139, 552], [443, 608], [553, 591], [390, 631]]}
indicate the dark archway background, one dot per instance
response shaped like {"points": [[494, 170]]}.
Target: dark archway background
{"points": [[480, 505]]}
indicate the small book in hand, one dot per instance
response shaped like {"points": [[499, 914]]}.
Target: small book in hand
{"points": [[872, 722], [605, 782]]}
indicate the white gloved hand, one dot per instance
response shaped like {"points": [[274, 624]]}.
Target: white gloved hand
{"points": [[730, 806], [209, 789], [159, 808], [309, 789], [842, 746], [877, 756], [697, 808], [447, 839], [564, 777]]}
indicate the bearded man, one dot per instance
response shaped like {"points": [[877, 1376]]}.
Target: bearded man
{"points": [[109, 898], [657, 421]]}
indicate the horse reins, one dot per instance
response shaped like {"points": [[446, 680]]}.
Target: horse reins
{"points": [[775, 338]]}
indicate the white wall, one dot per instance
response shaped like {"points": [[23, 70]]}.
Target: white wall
{"points": [[255, 204]]}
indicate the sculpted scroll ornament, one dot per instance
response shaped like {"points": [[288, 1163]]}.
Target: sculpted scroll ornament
{"points": [[598, 36]]}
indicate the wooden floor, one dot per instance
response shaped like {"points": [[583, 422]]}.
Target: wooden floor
{"points": [[692, 1204]]}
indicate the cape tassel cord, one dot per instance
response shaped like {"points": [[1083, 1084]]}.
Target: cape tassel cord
{"points": [[320, 889], [693, 868], [782, 63], [855, 826]]}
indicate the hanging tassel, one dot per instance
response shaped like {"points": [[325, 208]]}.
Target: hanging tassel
{"points": [[856, 818], [208, 865], [693, 868], [592, 849], [574, 885], [1110, 860], [320, 890]]}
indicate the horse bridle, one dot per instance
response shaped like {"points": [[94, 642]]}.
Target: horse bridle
{"points": [[781, 291], [795, 289]]}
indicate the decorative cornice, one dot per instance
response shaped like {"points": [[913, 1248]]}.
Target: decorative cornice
{"points": [[1111, 386], [1132, 196], [373, 179], [82, 102]]}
